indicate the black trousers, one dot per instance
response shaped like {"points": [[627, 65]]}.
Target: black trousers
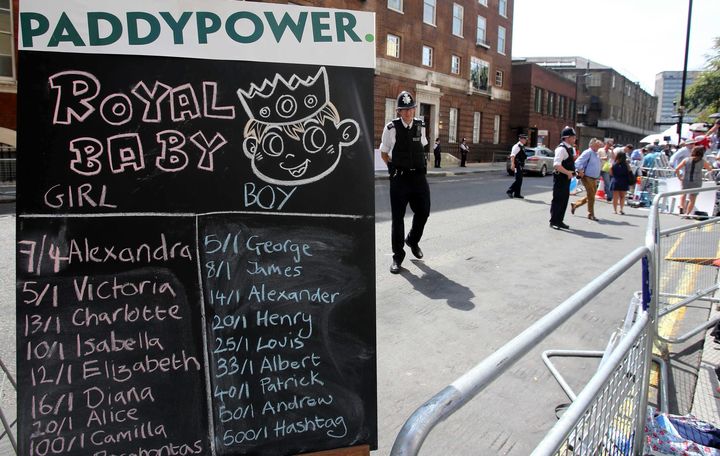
{"points": [[515, 187], [561, 196], [413, 189], [437, 160], [463, 158]]}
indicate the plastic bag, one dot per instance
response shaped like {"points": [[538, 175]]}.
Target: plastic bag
{"points": [[663, 435]]}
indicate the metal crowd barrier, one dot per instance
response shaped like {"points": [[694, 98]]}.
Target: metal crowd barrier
{"points": [[624, 384], [6, 424], [685, 264], [608, 415], [8, 164]]}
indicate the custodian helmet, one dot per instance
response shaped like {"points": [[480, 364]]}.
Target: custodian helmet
{"points": [[405, 100], [568, 131]]}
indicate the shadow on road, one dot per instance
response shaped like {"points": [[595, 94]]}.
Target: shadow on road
{"points": [[436, 286], [590, 234]]}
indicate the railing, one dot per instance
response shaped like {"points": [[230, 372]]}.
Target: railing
{"points": [[6, 424], [8, 167], [460, 392], [608, 415], [685, 264]]}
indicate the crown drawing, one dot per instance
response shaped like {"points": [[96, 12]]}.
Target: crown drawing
{"points": [[283, 101]]}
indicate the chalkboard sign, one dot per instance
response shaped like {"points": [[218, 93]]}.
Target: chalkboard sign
{"points": [[188, 280]]}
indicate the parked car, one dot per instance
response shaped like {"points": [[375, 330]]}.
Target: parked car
{"points": [[539, 160]]}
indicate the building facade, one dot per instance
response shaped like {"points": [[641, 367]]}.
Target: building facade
{"points": [[8, 72], [454, 56], [668, 85], [543, 103], [608, 104]]}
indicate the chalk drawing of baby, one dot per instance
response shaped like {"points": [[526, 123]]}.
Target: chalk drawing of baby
{"points": [[294, 135]]}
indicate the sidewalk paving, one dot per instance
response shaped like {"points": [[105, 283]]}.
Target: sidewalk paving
{"points": [[453, 170], [706, 402]]}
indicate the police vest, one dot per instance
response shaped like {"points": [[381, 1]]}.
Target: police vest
{"points": [[408, 152], [520, 157], [569, 162]]}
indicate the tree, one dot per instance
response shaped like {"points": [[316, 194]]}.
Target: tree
{"points": [[704, 94]]}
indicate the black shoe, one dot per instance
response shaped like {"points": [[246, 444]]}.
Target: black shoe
{"points": [[554, 226], [395, 268], [509, 194], [563, 226], [415, 249], [572, 209], [519, 196]]}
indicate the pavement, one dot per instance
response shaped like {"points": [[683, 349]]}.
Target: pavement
{"points": [[706, 401], [453, 170]]}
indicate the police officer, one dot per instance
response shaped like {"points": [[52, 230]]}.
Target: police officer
{"points": [[402, 149], [517, 163], [564, 165]]}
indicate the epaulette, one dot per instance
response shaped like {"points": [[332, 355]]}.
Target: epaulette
{"points": [[390, 126]]}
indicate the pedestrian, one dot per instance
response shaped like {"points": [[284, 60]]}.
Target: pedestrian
{"points": [[564, 167], [621, 177], [463, 153], [689, 171], [588, 167], [517, 164], [402, 149], [437, 152], [606, 157]]}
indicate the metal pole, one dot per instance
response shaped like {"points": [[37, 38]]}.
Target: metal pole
{"points": [[681, 108]]}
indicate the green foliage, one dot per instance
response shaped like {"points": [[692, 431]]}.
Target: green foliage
{"points": [[704, 94]]}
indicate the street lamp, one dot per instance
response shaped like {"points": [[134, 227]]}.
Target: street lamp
{"points": [[681, 107]]}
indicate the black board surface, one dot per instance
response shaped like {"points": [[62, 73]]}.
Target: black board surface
{"points": [[193, 302]]}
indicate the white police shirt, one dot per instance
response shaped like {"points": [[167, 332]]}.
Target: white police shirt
{"points": [[388, 137]]}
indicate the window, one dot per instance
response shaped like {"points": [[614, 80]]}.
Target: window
{"points": [[551, 104], [427, 56], [561, 106], [6, 41], [482, 2], [594, 80], [571, 110], [393, 46], [429, 11], [613, 81], [479, 70], [499, 78], [452, 133], [538, 99], [501, 39], [502, 8], [457, 23], [481, 33], [390, 110], [455, 64], [477, 123], [496, 130], [396, 5]]}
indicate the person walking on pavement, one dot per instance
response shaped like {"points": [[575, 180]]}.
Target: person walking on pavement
{"points": [[564, 166], [588, 167], [402, 149], [517, 163], [606, 157], [622, 176], [437, 152], [464, 149]]}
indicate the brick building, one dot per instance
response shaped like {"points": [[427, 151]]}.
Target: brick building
{"points": [[608, 104], [543, 103], [454, 56], [8, 71]]}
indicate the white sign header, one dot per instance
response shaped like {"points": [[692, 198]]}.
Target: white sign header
{"points": [[218, 30]]}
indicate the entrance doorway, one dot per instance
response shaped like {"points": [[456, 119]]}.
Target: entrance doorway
{"points": [[425, 113]]}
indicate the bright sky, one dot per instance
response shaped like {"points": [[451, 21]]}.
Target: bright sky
{"points": [[638, 38]]}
